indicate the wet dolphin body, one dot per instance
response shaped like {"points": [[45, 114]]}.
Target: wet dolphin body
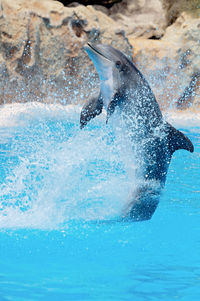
{"points": [[124, 89]]}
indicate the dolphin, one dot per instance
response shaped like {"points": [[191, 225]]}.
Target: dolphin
{"points": [[125, 91]]}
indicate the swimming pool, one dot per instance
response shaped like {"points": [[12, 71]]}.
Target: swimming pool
{"points": [[60, 187]]}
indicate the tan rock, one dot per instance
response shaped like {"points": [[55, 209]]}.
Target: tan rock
{"points": [[175, 8], [170, 63], [42, 56], [141, 18], [41, 50]]}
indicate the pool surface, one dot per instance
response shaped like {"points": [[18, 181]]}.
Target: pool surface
{"points": [[61, 190]]}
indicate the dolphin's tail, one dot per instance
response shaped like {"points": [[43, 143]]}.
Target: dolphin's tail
{"points": [[177, 140]]}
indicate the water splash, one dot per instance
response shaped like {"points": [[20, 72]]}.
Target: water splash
{"points": [[52, 172]]}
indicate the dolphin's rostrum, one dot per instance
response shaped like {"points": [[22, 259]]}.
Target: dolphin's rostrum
{"points": [[123, 87]]}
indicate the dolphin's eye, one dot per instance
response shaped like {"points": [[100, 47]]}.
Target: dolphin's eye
{"points": [[118, 64]]}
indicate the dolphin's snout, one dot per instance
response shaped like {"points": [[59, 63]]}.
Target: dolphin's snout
{"points": [[89, 46]]}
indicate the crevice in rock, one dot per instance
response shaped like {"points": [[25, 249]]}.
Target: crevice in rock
{"points": [[30, 55], [78, 26], [46, 22], [155, 37], [5, 34], [172, 19], [9, 50], [106, 3], [26, 56]]}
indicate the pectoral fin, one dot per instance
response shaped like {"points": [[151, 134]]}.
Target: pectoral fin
{"points": [[116, 101], [177, 140], [92, 108]]}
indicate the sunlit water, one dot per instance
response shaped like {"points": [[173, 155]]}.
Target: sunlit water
{"points": [[61, 189]]}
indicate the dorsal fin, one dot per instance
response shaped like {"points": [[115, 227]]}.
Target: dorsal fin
{"points": [[177, 140], [91, 109]]}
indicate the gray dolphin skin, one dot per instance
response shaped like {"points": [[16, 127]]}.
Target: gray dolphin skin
{"points": [[125, 91]]}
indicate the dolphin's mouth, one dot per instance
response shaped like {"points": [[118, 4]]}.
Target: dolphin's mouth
{"points": [[97, 51], [99, 55]]}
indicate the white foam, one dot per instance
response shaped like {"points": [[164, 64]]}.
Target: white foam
{"points": [[17, 114], [186, 119], [59, 175], [54, 174]]}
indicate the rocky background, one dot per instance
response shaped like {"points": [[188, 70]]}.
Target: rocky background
{"points": [[42, 57]]}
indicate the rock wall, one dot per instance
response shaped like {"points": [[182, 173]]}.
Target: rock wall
{"points": [[141, 18], [171, 62], [41, 50], [42, 56]]}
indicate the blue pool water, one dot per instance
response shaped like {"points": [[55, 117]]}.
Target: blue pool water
{"points": [[60, 187]]}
